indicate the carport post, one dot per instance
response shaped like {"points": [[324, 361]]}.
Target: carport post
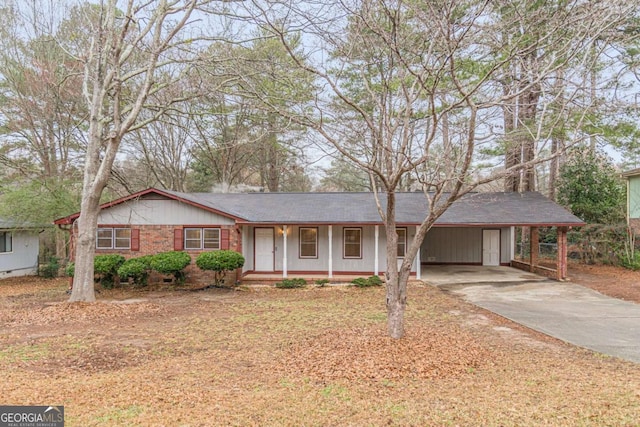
{"points": [[534, 248], [561, 263]]}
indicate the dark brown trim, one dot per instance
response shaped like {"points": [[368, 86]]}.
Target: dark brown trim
{"points": [[291, 273], [437, 225], [451, 263], [135, 239], [178, 239], [499, 225]]}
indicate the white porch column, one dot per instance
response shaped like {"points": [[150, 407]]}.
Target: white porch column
{"points": [[512, 252], [284, 251], [418, 263], [330, 266], [375, 245]]}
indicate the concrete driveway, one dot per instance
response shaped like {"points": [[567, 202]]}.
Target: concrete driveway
{"points": [[567, 311]]}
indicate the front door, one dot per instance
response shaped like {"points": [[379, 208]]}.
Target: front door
{"points": [[490, 247], [264, 249]]}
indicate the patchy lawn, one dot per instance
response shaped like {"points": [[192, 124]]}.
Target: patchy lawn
{"points": [[313, 357]]}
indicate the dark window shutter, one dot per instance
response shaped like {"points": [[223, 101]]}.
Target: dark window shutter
{"points": [[178, 242], [135, 239], [224, 238]]}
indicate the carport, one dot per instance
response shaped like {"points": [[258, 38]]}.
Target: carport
{"points": [[480, 231]]}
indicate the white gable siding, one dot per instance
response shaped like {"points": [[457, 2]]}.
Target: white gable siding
{"points": [[160, 212], [23, 258]]}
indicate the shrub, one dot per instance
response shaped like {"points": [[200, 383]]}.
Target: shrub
{"points": [[322, 282], [51, 268], [361, 282], [70, 269], [292, 283], [220, 262], [136, 269], [172, 262], [631, 261], [106, 266]]}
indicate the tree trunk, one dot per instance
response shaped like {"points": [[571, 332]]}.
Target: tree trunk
{"points": [[396, 306], [396, 281], [83, 283]]}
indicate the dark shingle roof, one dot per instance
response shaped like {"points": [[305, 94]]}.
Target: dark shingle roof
{"points": [[504, 209], [6, 224]]}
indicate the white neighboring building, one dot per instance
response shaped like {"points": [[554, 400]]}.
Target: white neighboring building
{"points": [[19, 249]]}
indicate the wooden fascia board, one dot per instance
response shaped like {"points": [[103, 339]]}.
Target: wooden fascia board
{"points": [[633, 172], [505, 224], [409, 224]]}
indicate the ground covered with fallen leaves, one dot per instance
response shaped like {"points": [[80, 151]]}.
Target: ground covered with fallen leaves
{"points": [[314, 357]]}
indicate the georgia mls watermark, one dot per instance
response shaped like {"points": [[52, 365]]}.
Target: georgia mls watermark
{"points": [[31, 416]]}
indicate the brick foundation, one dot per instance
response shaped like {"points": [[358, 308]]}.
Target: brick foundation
{"points": [[634, 223]]}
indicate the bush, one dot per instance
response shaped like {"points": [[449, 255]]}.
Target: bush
{"points": [[136, 269], [322, 282], [106, 266], [631, 263], [172, 262], [70, 269], [50, 270], [292, 283], [361, 282], [219, 262]]}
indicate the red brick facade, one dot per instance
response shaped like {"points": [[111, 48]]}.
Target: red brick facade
{"points": [[152, 239]]}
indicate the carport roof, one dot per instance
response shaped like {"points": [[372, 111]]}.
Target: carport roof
{"points": [[474, 209]]}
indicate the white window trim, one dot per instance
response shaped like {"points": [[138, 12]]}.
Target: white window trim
{"points": [[10, 234], [404, 241], [113, 239], [300, 243], [201, 245], [344, 243]]}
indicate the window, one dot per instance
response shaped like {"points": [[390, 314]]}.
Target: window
{"points": [[202, 238], [113, 238], [352, 242], [5, 241], [402, 241], [308, 242]]}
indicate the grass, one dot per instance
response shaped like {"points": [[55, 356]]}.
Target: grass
{"points": [[267, 356]]}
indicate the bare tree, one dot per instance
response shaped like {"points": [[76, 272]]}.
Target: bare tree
{"points": [[122, 57], [397, 69]]}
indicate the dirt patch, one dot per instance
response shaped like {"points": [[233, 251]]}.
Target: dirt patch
{"points": [[65, 312], [424, 353], [609, 280]]}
